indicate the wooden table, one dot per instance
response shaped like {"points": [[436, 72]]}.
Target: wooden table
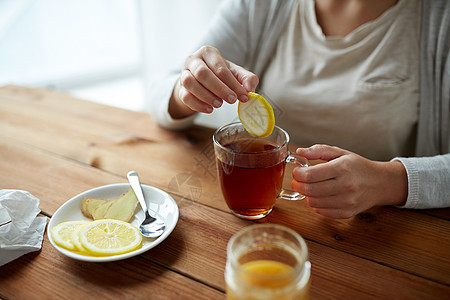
{"points": [[56, 146]]}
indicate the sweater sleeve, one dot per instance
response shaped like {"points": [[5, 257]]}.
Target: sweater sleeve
{"points": [[160, 93], [428, 181]]}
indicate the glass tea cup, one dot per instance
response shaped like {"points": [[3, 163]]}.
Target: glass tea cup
{"points": [[267, 261], [251, 169]]}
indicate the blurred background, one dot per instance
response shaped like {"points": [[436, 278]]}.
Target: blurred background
{"points": [[101, 50]]}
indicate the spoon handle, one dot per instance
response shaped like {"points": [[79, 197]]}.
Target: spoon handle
{"points": [[133, 178]]}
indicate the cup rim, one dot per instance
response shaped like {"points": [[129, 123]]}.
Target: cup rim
{"points": [[303, 256], [216, 142]]}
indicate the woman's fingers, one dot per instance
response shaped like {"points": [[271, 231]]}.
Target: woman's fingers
{"points": [[221, 68], [248, 80], [326, 188], [347, 183], [212, 79], [316, 173], [193, 88], [206, 81], [338, 188], [194, 103], [322, 152], [206, 78]]}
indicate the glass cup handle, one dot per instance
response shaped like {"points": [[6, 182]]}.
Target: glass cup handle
{"points": [[290, 194], [298, 160]]}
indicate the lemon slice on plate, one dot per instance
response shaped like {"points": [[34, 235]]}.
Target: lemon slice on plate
{"points": [[63, 232], [110, 237], [256, 115], [76, 238]]}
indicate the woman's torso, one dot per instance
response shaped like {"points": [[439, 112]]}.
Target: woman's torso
{"points": [[359, 92]]}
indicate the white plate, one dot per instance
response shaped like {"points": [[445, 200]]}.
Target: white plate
{"points": [[161, 205]]}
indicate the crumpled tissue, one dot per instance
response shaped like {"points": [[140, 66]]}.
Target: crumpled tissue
{"points": [[21, 230]]}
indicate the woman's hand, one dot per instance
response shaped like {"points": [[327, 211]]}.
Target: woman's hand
{"points": [[206, 81], [347, 184]]}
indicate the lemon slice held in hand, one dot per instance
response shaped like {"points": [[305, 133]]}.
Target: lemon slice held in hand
{"points": [[256, 115], [110, 237], [63, 232]]}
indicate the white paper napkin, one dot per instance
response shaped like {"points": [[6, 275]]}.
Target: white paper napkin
{"points": [[21, 231]]}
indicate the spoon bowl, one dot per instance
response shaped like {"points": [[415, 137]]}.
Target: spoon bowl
{"points": [[150, 227]]}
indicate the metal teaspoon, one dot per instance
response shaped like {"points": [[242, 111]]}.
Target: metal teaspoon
{"points": [[150, 227]]}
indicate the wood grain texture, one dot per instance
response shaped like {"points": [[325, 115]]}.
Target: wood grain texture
{"points": [[56, 147], [50, 275], [197, 249]]}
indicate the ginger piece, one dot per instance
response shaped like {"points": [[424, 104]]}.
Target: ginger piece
{"points": [[89, 205], [123, 208]]}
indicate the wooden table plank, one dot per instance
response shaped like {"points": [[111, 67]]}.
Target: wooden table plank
{"points": [[197, 246], [386, 235], [48, 177], [116, 148], [134, 278], [102, 136], [69, 141], [359, 236], [204, 233]]}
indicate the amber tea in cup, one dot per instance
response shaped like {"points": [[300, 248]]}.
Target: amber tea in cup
{"points": [[251, 169]]}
